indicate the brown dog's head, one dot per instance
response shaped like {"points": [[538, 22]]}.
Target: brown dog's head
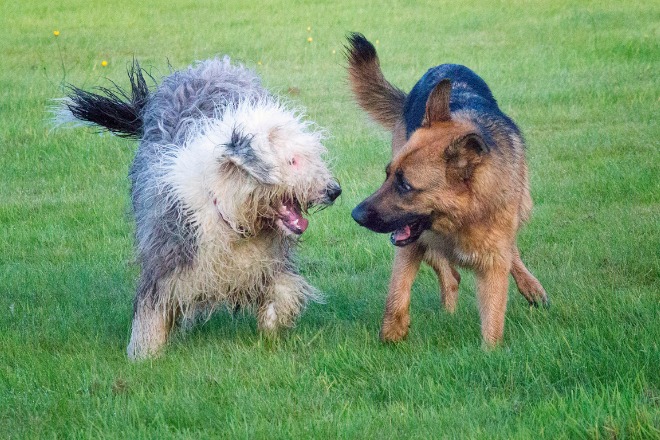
{"points": [[429, 183]]}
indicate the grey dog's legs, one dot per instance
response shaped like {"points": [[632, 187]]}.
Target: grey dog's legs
{"points": [[149, 332], [283, 302], [151, 324]]}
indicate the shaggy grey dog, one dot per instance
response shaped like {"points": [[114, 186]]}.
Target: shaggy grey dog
{"points": [[221, 178]]}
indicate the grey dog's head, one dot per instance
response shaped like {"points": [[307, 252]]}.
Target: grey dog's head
{"points": [[257, 165]]}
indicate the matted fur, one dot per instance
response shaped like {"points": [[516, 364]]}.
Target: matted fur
{"points": [[221, 176]]}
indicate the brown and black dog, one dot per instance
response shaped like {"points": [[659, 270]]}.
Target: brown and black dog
{"points": [[456, 190]]}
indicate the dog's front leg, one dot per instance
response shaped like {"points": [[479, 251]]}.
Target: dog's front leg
{"points": [[283, 302], [492, 289], [151, 324], [397, 309], [149, 331]]}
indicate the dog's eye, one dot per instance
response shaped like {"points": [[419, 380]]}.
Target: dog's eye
{"points": [[401, 184]]}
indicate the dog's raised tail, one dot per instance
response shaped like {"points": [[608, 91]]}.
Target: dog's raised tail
{"points": [[114, 109], [377, 96]]}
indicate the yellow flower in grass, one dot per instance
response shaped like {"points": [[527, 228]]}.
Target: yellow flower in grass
{"points": [[56, 33], [309, 39], [104, 63]]}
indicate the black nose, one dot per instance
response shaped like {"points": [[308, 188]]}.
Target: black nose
{"points": [[360, 214], [366, 215], [333, 191]]}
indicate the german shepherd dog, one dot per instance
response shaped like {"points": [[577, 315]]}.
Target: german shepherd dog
{"points": [[456, 190]]}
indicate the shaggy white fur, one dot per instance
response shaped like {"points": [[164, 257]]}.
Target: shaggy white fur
{"points": [[220, 182]]}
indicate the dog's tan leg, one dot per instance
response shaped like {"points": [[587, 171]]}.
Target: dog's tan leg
{"points": [[448, 278], [492, 289], [397, 309], [150, 330], [527, 284], [283, 302]]}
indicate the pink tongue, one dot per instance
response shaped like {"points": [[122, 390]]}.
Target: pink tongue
{"points": [[293, 219], [302, 222], [401, 234]]}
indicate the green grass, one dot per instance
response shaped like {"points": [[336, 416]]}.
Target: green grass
{"points": [[580, 78]]}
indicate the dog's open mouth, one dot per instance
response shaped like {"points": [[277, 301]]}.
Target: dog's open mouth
{"points": [[290, 218], [408, 233]]}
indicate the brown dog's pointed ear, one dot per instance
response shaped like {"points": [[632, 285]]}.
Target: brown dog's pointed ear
{"points": [[476, 143], [464, 155], [471, 144], [437, 105]]}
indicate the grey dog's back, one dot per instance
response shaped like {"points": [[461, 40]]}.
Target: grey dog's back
{"points": [[201, 90]]}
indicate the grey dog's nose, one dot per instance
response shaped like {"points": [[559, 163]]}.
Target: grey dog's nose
{"points": [[333, 191]]}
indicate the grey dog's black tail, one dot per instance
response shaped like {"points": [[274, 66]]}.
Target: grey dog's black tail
{"points": [[114, 109]]}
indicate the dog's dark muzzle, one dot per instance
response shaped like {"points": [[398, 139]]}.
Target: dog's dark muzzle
{"points": [[366, 216]]}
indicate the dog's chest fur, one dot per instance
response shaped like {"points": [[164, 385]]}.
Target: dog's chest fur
{"points": [[462, 249], [250, 261], [230, 272]]}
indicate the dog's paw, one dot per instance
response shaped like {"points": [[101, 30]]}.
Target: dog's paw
{"points": [[141, 350], [534, 293], [268, 320], [395, 329], [490, 344]]}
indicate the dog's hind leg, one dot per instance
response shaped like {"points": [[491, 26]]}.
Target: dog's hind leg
{"points": [[448, 277], [151, 324], [527, 283], [283, 302], [396, 320]]}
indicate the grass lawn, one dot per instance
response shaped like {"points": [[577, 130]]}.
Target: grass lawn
{"points": [[580, 78]]}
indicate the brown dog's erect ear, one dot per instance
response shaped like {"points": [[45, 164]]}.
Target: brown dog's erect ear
{"points": [[464, 154], [474, 142], [437, 105]]}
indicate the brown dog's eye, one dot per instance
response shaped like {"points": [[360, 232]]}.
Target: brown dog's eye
{"points": [[401, 184]]}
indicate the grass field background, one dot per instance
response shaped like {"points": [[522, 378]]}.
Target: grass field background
{"points": [[580, 78]]}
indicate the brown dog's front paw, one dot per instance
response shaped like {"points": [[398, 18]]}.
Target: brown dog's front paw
{"points": [[394, 329]]}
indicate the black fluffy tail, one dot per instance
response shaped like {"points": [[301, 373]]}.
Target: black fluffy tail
{"points": [[383, 101], [114, 109]]}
